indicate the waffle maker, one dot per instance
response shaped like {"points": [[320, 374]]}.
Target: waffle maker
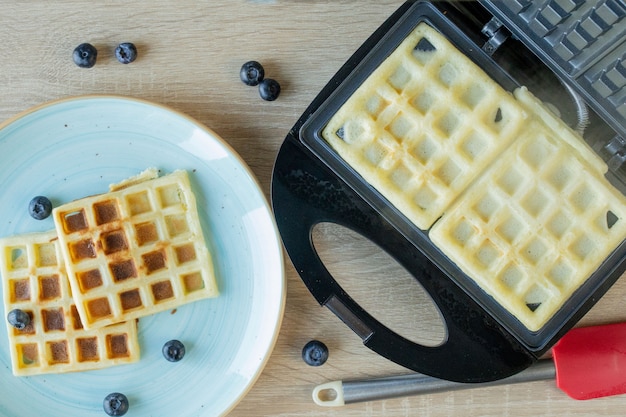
{"points": [[569, 49]]}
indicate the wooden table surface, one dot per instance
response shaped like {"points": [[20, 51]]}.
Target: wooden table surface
{"points": [[190, 53]]}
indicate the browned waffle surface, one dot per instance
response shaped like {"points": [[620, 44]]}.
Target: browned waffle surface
{"points": [[55, 341], [135, 251]]}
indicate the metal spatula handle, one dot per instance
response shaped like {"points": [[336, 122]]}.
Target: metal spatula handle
{"points": [[338, 393]]}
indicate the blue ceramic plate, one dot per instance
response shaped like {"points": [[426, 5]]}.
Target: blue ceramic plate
{"points": [[77, 147]]}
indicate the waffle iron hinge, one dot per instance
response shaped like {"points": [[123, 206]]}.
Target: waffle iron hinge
{"points": [[613, 152], [496, 33]]}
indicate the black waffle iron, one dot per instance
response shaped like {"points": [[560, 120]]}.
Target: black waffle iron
{"points": [[572, 48]]}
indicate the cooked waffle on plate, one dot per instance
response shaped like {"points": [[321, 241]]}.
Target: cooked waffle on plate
{"points": [[423, 125], [34, 281], [512, 195], [136, 250], [535, 225]]}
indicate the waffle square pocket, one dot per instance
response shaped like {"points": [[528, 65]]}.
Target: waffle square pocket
{"points": [[136, 250], [55, 341]]}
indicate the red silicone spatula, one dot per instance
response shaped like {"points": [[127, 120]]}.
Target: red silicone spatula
{"points": [[591, 361], [588, 362]]}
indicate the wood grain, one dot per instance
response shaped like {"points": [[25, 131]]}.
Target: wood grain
{"points": [[190, 53]]}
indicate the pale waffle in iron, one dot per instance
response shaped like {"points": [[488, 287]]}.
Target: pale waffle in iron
{"points": [[536, 224], [136, 250], [34, 281], [518, 201], [423, 125]]}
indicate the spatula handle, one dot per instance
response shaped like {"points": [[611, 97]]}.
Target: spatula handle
{"points": [[338, 393]]}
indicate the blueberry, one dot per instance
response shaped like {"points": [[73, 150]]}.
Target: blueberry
{"points": [[315, 353], [126, 52], [115, 404], [269, 89], [39, 207], [173, 350], [252, 73], [85, 55], [18, 319]]}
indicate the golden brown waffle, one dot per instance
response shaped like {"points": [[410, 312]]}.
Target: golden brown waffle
{"points": [[423, 125], [135, 251], [55, 341], [512, 196], [537, 223]]}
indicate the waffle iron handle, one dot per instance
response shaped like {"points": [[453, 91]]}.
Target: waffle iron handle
{"points": [[477, 349]]}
